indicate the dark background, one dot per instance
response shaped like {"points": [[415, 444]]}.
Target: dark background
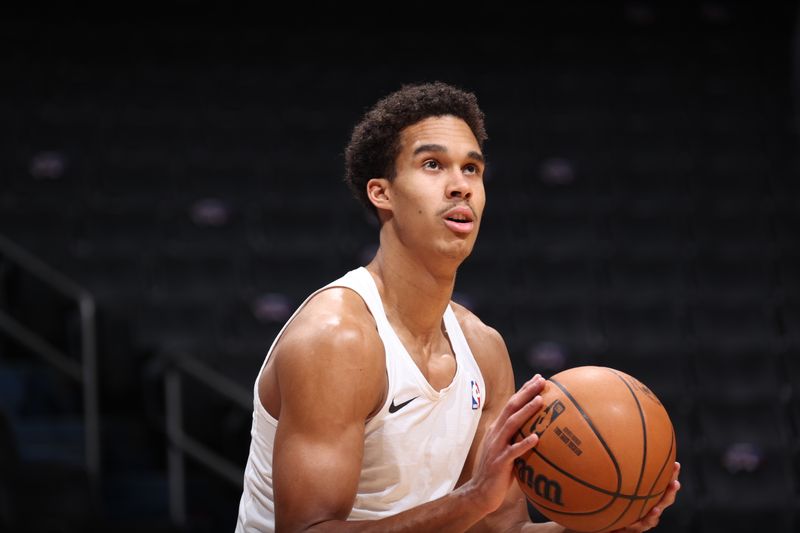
{"points": [[184, 164]]}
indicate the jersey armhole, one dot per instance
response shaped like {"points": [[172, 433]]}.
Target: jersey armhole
{"points": [[382, 403]]}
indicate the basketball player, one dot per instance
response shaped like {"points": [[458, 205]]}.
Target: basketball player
{"points": [[382, 405]]}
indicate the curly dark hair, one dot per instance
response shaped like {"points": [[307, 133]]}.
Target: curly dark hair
{"points": [[375, 142]]}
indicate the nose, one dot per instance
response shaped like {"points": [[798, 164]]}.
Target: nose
{"points": [[458, 186]]}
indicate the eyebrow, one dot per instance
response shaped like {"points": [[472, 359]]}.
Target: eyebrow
{"points": [[439, 148]]}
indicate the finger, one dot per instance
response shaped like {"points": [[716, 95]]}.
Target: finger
{"points": [[525, 445], [676, 470], [531, 388], [651, 519], [531, 381], [671, 491], [516, 420], [669, 495], [525, 394]]}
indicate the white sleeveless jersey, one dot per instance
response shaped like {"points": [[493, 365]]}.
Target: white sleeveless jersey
{"points": [[414, 447]]}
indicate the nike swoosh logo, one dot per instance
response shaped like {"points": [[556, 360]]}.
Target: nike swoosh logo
{"points": [[393, 408]]}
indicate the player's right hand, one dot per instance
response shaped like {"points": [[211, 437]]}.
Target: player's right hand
{"points": [[493, 475]]}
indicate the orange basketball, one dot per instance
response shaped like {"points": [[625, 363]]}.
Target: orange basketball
{"points": [[605, 452]]}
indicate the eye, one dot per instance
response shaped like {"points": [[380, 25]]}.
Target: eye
{"points": [[472, 169], [431, 164]]}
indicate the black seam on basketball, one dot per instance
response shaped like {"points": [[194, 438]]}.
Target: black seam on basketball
{"points": [[632, 498], [598, 489], [614, 494], [595, 511], [599, 436], [644, 449], [672, 445]]}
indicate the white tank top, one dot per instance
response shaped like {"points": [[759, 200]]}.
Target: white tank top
{"points": [[414, 447]]}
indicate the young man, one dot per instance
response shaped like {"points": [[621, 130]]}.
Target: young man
{"points": [[382, 405]]}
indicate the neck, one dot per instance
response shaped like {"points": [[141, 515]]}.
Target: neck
{"points": [[415, 296]]}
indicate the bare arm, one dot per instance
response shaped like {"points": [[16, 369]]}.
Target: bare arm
{"points": [[331, 378], [327, 389]]}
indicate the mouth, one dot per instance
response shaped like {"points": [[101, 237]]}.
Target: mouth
{"points": [[460, 220]]}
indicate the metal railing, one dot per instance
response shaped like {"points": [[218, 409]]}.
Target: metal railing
{"points": [[83, 371], [179, 443]]}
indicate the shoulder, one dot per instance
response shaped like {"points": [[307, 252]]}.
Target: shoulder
{"points": [[336, 315], [486, 343], [333, 339], [481, 337]]}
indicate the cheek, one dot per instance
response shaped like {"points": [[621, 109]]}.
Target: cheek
{"points": [[480, 202], [416, 204]]}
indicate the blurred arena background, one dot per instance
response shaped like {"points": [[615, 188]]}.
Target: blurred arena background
{"points": [[170, 191]]}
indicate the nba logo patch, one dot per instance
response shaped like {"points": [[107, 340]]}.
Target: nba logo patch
{"points": [[476, 395]]}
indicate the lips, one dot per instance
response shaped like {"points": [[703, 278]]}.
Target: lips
{"points": [[460, 219]]}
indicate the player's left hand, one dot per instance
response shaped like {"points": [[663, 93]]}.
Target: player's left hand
{"points": [[651, 520]]}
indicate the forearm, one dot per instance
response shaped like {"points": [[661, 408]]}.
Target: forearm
{"points": [[455, 512], [519, 527], [545, 527]]}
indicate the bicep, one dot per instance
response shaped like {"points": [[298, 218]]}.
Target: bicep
{"points": [[328, 388], [316, 468]]}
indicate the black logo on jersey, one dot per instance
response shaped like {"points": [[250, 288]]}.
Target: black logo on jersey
{"points": [[393, 408]]}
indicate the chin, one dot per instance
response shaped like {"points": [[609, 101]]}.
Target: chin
{"points": [[457, 251]]}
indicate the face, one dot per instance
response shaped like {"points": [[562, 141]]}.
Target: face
{"points": [[437, 197]]}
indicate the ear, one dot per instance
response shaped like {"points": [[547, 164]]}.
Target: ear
{"points": [[378, 192]]}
